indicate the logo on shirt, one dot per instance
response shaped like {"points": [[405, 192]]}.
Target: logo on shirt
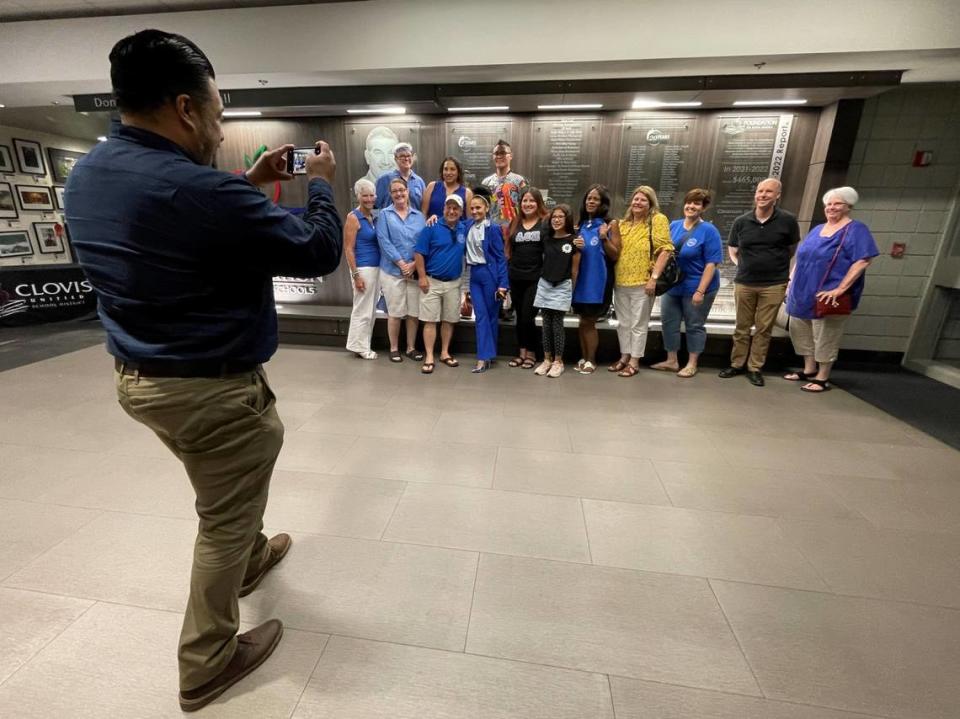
{"points": [[595, 241], [691, 242], [567, 248]]}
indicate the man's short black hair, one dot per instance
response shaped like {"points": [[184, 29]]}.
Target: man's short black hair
{"points": [[151, 67]]}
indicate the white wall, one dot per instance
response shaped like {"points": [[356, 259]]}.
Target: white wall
{"points": [[26, 219], [902, 203]]}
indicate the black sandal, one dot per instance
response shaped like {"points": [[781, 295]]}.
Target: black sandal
{"points": [[395, 356], [427, 368], [528, 363], [450, 361], [415, 355], [515, 362], [797, 376], [823, 384]]}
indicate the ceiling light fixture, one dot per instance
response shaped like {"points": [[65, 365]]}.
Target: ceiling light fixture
{"points": [[242, 113], [651, 104], [761, 103], [481, 108], [394, 110], [582, 106]]}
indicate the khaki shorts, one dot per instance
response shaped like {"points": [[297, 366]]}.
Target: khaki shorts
{"points": [[402, 295], [441, 303]]}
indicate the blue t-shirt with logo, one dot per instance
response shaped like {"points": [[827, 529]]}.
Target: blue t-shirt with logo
{"points": [[592, 275], [694, 252], [442, 248]]}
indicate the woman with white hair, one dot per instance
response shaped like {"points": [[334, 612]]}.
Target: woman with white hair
{"points": [[825, 287], [362, 253]]}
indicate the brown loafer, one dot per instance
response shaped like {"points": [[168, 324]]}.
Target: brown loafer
{"points": [[253, 648], [279, 546]]}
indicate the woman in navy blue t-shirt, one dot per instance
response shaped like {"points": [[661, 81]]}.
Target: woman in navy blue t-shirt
{"points": [[698, 250], [590, 293]]}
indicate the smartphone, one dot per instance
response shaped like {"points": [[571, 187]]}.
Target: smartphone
{"points": [[297, 159]]}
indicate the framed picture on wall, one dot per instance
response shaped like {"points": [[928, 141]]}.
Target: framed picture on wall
{"points": [[49, 237], [58, 195], [15, 244], [62, 162], [34, 198], [29, 157], [6, 159], [8, 208]]}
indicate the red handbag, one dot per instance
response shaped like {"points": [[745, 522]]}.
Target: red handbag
{"points": [[842, 305]]}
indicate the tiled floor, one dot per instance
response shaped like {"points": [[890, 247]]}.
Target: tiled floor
{"points": [[495, 546]]}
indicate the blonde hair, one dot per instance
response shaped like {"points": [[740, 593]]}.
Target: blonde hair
{"points": [[650, 194]]}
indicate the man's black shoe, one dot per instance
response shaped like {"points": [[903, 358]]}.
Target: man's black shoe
{"points": [[731, 372], [755, 378]]}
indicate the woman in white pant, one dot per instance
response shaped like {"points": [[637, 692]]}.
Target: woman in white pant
{"points": [[640, 245], [362, 252]]}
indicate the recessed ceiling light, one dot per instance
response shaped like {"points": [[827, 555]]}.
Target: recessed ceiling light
{"points": [[582, 106], [481, 108], [102, 138], [2, 105], [650, 104], [242, 113], [393, 110], [760, 103]]}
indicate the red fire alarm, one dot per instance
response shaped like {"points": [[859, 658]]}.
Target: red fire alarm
{"points": [[922, 158], [898, 250]]}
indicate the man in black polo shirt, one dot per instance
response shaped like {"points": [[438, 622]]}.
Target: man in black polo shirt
{"points": [[181, 257], [761, 244]]}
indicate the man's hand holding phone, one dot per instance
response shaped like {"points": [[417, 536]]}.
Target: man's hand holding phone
{"points": [[271, 166], [322, 163]]}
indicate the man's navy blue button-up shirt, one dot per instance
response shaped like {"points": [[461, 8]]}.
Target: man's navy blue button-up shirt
{"points": [[182, 256]]}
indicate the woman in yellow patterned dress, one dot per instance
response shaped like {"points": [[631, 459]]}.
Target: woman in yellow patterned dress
{"points": [[636, 272]]}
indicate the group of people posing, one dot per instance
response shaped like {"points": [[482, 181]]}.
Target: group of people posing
{"points": [[438, 251]]}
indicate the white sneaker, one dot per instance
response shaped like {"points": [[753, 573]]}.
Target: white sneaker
{"points": [[368, 355], [556, 369], [543, 367]]}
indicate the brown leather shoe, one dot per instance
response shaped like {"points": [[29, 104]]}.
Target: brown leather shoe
{"points": [[253, 648], [279, 546]]}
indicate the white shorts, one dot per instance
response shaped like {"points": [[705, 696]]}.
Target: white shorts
{"points": [[402, 295]]}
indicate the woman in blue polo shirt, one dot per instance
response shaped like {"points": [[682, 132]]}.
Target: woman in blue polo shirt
{"points": [[450, 183], [362, 253], [699, 251], [589, 294]]}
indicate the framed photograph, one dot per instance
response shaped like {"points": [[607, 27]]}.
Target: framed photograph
{"points": [[15, 244], [49, 237], [6, 159], [34, 198], [58, 195], [62, 162], [8, 208], [29, 157]]}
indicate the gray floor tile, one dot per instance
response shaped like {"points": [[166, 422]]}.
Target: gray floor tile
{"points": [[488, 520], [579, 475], [703, 544], [312, 452], [491, 427], [855, 558], [634, 699], [327, 504], [364, 680], [599, 619], [373, 590], [29, 621], [469, 465], [674, 443], [409, 425], [29, 529], [118, 661], [924, 504], [742, 490], [885, 658], [122, 558], [915, 463]]}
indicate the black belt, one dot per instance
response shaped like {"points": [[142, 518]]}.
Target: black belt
{"points": [[443, 279], [184, 368]]}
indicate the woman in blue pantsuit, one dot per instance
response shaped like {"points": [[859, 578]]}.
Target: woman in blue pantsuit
{"points": [[487, 270]]}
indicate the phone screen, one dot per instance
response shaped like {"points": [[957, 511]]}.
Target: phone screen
{"points": [[299, 164]]}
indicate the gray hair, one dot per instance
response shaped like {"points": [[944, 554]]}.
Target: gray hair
{"points": [[846, 194], [363, 184], [401, 146], [772, 179]]}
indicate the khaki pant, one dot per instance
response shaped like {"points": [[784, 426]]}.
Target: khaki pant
{"points": [[819, 339], [756, 307], [227, 433]]}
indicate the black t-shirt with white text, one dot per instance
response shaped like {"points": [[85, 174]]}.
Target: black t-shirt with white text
{"points": [[526, 258]]}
